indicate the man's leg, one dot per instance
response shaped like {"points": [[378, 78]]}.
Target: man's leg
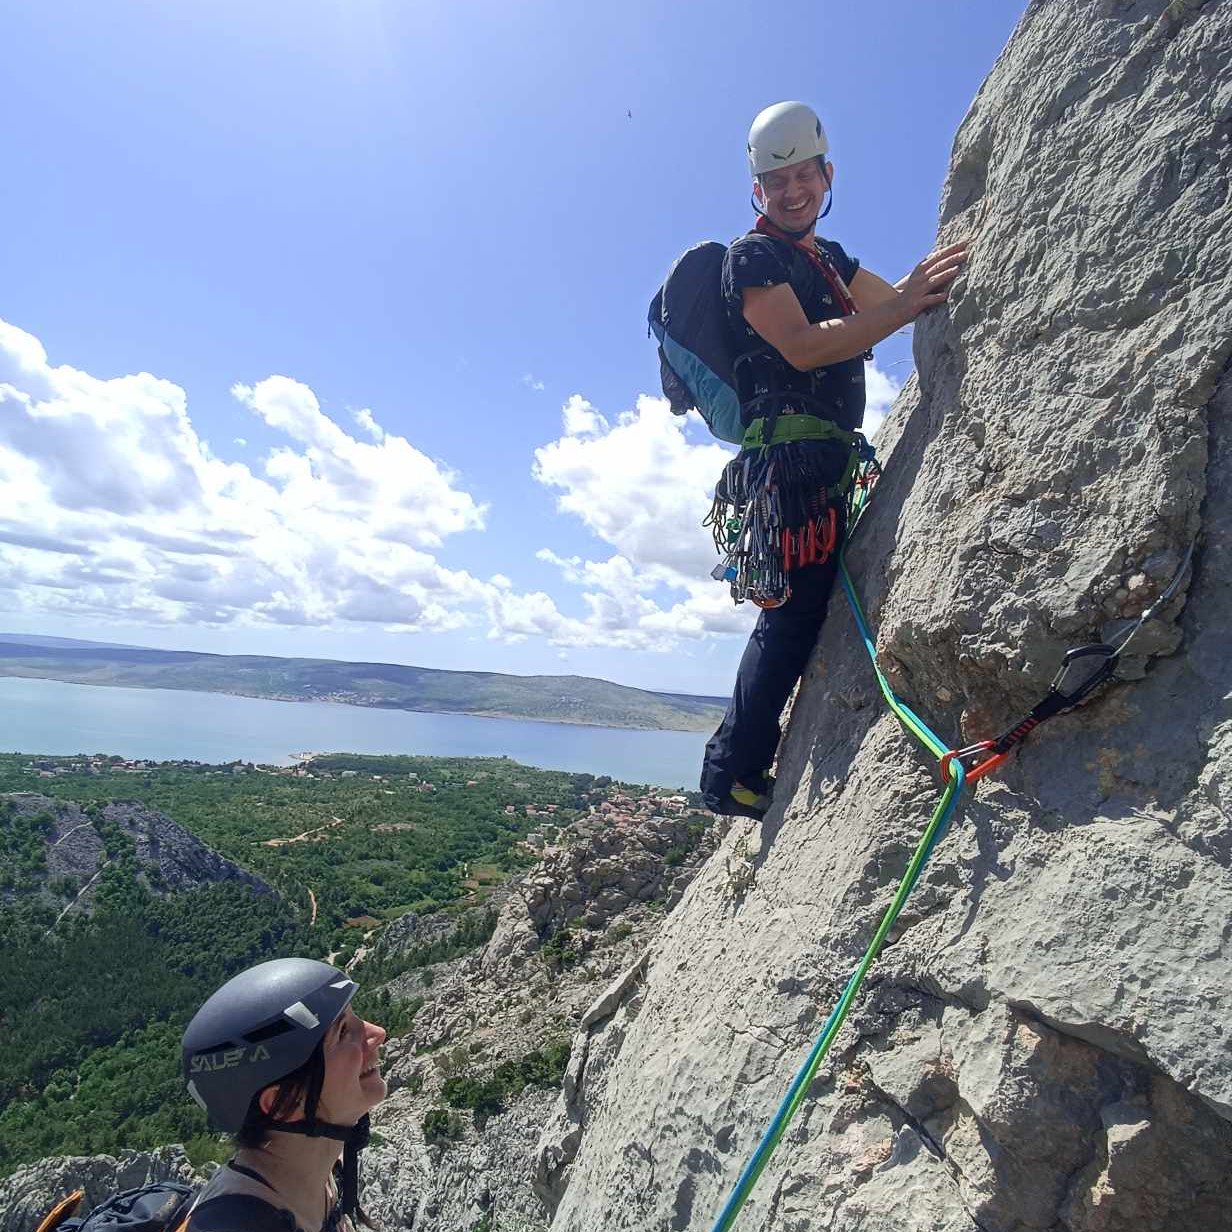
{"points": [[743, 747]]}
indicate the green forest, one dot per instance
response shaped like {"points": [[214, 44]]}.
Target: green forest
{"points": [[92, 1005]]}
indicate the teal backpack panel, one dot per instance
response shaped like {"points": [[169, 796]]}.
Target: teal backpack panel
{"points": [[696, 355]]}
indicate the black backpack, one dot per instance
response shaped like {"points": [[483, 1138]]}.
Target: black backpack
{"points": [[696, 359], [163, 1206]]}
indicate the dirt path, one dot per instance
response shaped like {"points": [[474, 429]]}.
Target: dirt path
{"points": [[77, 897], [306, 837], [312, 896], [74, 830]]}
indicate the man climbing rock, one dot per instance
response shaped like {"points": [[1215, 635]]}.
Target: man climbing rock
{"points": [[804, 315]]}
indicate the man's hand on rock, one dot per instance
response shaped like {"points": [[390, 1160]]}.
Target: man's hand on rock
{"points": [[929, 283]]}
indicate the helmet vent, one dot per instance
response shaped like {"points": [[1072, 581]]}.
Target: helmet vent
{"points": [[279, 1026], [302, 1016]]}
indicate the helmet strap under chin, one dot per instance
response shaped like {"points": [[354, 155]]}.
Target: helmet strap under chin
{"points": [[797, 236], [354, 1136]]}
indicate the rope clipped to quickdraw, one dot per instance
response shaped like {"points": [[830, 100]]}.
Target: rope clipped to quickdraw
{"points": [[1083, 670], [934, 832]]}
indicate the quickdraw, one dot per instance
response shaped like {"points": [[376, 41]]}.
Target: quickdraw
{"points": [[773, 512], [1083, 670]]}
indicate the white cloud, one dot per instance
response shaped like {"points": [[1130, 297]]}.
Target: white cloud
{"points": [[111, 505], [880, 391], [643, 489], [366, 421], [240, 441], [581, 419], [532, 382], [639, 485]]}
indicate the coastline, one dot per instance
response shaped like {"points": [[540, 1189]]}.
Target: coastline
{"points": [[705, 725]]}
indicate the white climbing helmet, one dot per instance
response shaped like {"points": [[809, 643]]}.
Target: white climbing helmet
{"points": [[784, 134]]}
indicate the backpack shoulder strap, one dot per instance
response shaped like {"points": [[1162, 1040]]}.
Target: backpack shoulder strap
{"points": [[240, 1213]]}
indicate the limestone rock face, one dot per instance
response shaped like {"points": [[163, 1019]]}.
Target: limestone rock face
{"points": [[1045, 1043]]}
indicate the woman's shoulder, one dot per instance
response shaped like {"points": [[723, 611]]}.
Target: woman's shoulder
{"points": [[233, 1202]]}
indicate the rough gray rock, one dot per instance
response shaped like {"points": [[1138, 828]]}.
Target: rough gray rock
{"points": [[508, 999], [74, 848], [28, 1194], [410, 1185], [1044, 1045]]}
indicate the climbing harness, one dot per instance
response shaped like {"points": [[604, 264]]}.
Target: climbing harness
{"points": [[1085, 669], [1082, 671], [773, 510]]}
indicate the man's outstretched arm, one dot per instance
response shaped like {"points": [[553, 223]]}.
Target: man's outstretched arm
{"points": [[775, 312]]}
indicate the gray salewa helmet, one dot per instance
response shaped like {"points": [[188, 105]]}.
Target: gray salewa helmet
{"points": [[258, 1027]]}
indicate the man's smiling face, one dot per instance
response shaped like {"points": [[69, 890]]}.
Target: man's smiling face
{"points": [[793, 196]]}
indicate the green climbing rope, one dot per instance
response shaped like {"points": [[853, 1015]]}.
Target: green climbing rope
{"points": [[937, 826]]}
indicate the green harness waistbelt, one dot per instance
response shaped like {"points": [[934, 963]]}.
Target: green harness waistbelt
{"points": [[806, 428]]}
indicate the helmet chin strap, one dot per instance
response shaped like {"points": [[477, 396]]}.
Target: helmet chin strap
{"points": [[356, 1138], [799, 235]]}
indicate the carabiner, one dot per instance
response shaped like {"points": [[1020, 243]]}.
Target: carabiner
{"points": [[1075, 664], [975, 770]]}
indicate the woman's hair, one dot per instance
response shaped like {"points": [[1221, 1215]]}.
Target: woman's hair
{"points": [[302, 1084]]}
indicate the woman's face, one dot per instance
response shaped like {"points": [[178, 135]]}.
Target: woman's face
{"points": [[353, 1084]]}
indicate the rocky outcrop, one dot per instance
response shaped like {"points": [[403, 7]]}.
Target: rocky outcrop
{"points": [[487, 1177], [75, 849], [28, 1194], [600, 871], [565, 946], [1044, 1045]]}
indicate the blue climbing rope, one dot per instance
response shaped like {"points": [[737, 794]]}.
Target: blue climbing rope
{"points": [[934, 832]]}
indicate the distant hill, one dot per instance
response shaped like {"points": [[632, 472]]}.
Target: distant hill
{"points": [[41, 639], [555, 699]]}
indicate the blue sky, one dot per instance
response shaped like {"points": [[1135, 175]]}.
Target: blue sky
{"points": [[324, 322]]}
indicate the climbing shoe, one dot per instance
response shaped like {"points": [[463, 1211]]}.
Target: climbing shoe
{"points": [[749, 801]]}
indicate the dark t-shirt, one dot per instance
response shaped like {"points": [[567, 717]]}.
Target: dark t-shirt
{"points": [[835, 392]]}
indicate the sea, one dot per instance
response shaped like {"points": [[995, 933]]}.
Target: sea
{"points": [[49, 716]]}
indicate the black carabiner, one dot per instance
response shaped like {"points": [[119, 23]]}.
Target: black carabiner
{"points": [[1082, 671]]}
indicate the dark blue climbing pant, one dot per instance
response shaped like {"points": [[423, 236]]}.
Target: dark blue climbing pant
{"points": [[743, 748]]}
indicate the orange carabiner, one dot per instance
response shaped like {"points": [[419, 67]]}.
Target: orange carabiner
{"points": [[980, 768]]}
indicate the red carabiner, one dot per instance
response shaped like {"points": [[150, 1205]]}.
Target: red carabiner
{"points": [[980, 768]]}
